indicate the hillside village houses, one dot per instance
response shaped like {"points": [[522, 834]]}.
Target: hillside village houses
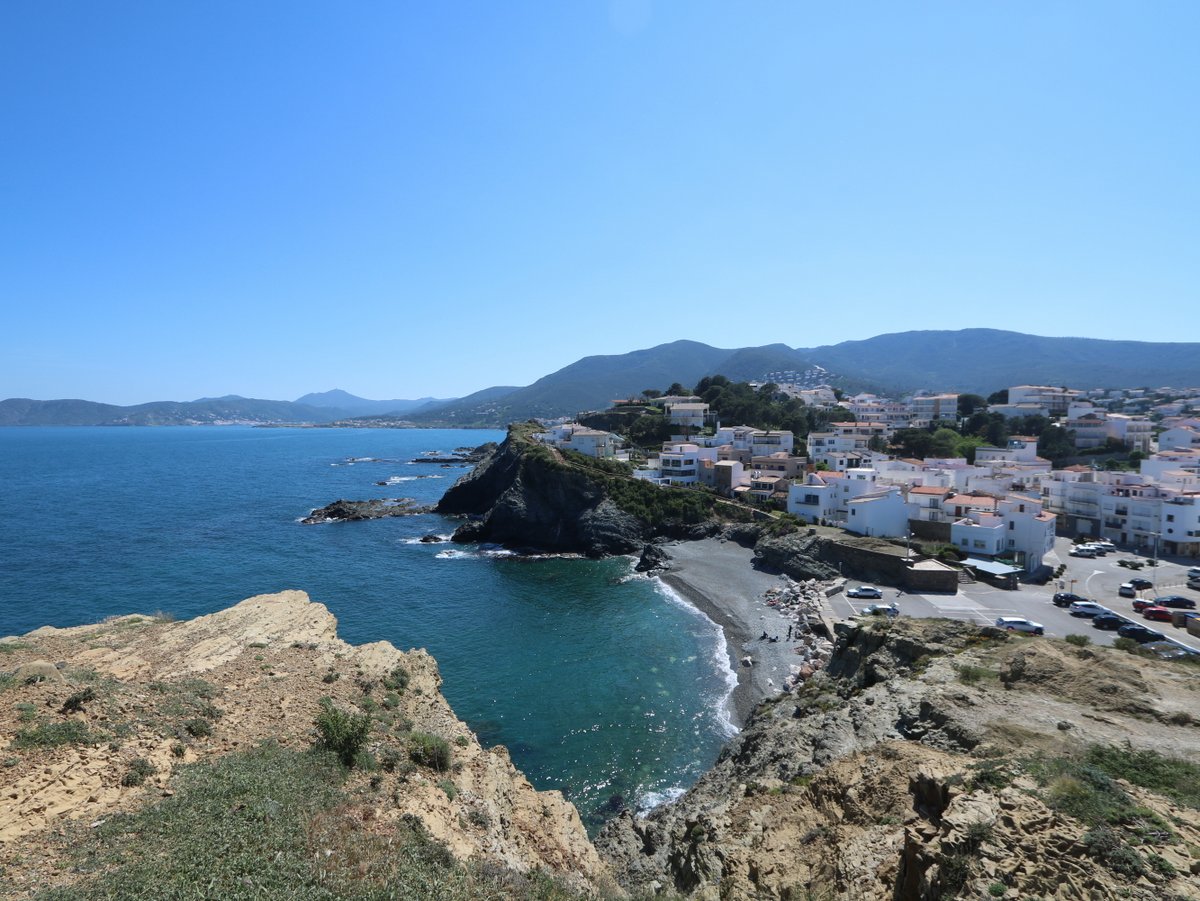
{"points": [[1008, 503]]}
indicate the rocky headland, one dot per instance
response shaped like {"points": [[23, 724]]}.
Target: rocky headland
{"points": [[935, 760]]}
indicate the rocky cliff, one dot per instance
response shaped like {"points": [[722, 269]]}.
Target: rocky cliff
{"points": [[528, 495], [934, 760], [99, 720]]}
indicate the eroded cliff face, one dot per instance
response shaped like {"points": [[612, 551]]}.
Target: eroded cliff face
{"points": [[525, 496], [172, 693], [934, 760]]}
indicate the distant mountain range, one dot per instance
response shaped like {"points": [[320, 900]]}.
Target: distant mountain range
{"points": [[967, 360]]}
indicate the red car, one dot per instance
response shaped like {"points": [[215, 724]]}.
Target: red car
{"points": [[1140, 605], [1162, 614]]}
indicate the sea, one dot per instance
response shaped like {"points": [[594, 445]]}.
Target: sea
{"points": [[602, 683]]}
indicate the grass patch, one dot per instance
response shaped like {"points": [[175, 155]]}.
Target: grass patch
{"points": [[273, 823], [11, 647], [970, 674], [51, 735], [1176, 779]]}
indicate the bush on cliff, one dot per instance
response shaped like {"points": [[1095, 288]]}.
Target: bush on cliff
{"points": [[345, 734]]}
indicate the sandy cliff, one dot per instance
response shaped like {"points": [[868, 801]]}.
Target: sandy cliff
{"points": [[170, 693]]}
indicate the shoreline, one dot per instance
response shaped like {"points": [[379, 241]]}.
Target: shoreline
{"points": [[717, 577]]}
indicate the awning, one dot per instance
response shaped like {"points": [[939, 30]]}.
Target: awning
{"points": [[991, 567]]}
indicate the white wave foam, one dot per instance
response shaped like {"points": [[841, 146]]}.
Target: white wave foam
{"points": [[650, 800], [452, 555], [422, 541], [720, 654]]}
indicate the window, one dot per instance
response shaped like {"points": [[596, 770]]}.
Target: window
{"points": [[1011, 525]]}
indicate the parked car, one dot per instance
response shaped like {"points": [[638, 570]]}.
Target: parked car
{"points": [[1140, 584], [1139, 633], [1141, 604], [1106, 545], [1086, 608], [1178, 602], [1082, 551], [1193, 572], [1158, 614], [1020, 624], [1066, 599], [880, 610], [1127, 590], [1168, 650], [1100, 550], [864, 591], [1108, 621]]}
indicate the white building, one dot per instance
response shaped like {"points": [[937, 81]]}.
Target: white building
{"points": [[933, 408], [688, 414], [679, 464], [1018, 528], [1056, 400], [881, 513], [576, 437]]}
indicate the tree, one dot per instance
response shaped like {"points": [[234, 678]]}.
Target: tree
{"points": [[677, 389], [944, 443], [998, 397], [651, 393], [969, 403]]}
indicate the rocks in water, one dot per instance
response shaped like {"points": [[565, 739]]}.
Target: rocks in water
{"points": [[432, 539], [460, 455], [354, 511], [653, 558]]}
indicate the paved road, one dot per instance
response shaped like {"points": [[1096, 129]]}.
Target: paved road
{"points": [[1097, 579]]}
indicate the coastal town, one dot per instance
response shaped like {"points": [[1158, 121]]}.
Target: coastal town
{"points": [[1072, 473]]}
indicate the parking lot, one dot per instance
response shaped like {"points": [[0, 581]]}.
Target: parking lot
{"points": [[1097, 579]]}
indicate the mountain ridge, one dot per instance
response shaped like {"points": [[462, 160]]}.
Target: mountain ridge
{"points": [[963, 360]]}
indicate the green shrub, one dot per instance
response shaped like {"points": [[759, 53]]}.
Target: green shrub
{"points": [[397, 680], [429, 750], [330, 677], [75, 702], [198, 728], [971, 674], [1080, 641], [26, 712], [139, 769], [1126, 644], [344, 734], [997, 889], [462, 741], [391, 701], [449, 788], [1106, 847]]}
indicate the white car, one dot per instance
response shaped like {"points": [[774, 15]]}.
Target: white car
{"points": [[1105, 546], [1081, 550], [864, 591], [1020, 624], [1086, 608], [880, 610]]}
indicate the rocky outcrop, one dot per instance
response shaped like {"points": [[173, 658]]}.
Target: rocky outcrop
{"points": [[355, 511], [908, 771], [172, 693], [654, 559], [798, 555], [523, 495]]}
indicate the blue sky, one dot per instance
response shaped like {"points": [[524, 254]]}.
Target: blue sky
{"points": [[407, 199]]}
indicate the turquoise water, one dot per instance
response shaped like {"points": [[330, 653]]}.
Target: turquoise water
{"points": [[598, 682]]}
